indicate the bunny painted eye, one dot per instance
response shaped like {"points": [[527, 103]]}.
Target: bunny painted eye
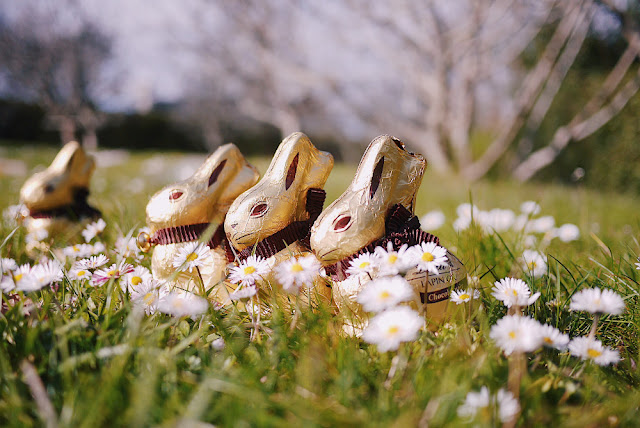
{"points": [[259, 210], [216, 172], [342, 223], [176, 194], [49, 188], [375, 178], [291, 174]]}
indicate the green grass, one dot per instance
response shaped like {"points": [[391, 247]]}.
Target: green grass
{"points": [[104, 365]]}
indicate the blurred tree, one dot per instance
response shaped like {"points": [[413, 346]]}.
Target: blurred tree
{"points": [[46, 63]]}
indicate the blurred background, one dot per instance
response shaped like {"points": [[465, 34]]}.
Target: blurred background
{"points": [[515, 89]]}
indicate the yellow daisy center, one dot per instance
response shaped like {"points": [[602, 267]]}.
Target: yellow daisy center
{"points": [[514, 291], [296, 267], [427, 257], [18, 277], [112, 273], [392, 258], [363, 265], [512, 334], [192, 257], [393, 329], [249, 270], [548, 340], [384, 295], [149, 298], [593, 353], [464, 296], [75, 248], [81, 273], [135, 280], [532, 265]]}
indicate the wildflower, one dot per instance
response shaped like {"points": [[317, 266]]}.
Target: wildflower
{"points": [[98, 248], [93, 229], [392, 327], [553, 338], [541, 225], [530, 208], [589, 348], [498, 220], [15, 212], [516, 334], [473, 402], [135, 278], [364, 263], [461, 223], [432, 220], [243, 292], [7, 265], [461, 296], [530, 241], [47, 273], [534, 263], [428, 256], [249, 271], [113, 272], [297, 272], [78, 251], [567, 232], [391, 262], [147, 295], [385, 293], [595, 301], [126, 247], [182, 304], [78, 272], [512, 291], [92, 262], [192, 255], [508, 406], [7, 284], [38, 235]]}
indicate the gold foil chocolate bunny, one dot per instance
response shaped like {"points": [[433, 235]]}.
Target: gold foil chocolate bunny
{"points": [[57, 197], [274, 217], [377, 208], [185, 211]]}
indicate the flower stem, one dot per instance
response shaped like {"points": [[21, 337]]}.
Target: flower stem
{"points": [[594, 326]]}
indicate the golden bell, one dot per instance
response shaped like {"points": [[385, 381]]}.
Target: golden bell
{"points": [[273, 217], [194, 209], [57, 197]]}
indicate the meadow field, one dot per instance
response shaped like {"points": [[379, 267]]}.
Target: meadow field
{"points": [[84, 357]]}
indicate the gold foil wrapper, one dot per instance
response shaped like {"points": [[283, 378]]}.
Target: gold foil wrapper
{"points": [[387, 175], [280, 198], [205, 197]]}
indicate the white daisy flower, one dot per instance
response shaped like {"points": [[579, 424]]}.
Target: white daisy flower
{"points": [[101, 276], [364, 263], [7, 265], [79, 273], [92, 262], [126, 247], [567, 232], [183, 304], [553, 338], [390, 328], [78, 251], [516, 334], [147, 295], [589, 348], [98, 248], [541, 225], [530, 208], [7, 283], [297, 272], [508, 406], [384, 293], [534, 263], [38, 235], [15, 212], [473, 402], [48, 272], [27, 282], [390, 261], [597, 301], [93, 229], [135, 278], [530, 241], [433, 220], [192, 255], [249, 271], [512, 291], [243, 292], [461, 223], [461, 296], [428, 257]]}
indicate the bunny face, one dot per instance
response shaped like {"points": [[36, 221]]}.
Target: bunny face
{"points": [[57, 185], [206, 195], [387, 175], [279, 198]]}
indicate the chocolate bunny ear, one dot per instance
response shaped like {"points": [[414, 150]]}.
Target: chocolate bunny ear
{"points": [[73, 162], [387, 175]]}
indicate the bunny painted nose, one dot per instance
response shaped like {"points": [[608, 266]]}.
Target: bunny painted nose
{"points": [[259, 210], [175, 195], [342, 223]]}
